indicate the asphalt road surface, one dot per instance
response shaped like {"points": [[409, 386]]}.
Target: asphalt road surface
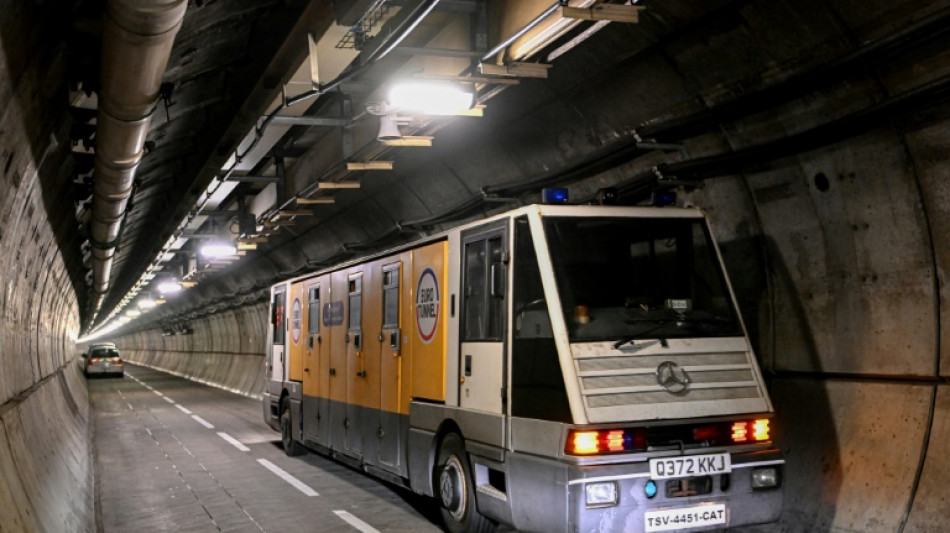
{"points": [[175, 455]]}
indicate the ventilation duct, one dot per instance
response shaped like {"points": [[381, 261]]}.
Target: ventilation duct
{"points": [[137, 40]]}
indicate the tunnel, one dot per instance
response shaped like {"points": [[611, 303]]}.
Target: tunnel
{"points": [[134, 133]]}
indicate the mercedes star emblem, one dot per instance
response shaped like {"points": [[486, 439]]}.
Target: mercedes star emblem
{"points": [[672, 378]]}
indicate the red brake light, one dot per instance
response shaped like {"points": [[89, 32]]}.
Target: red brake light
{"points": [[590, 442], [615, 441], [582, 443], [739, 432], [751, 431], [705, 433]]}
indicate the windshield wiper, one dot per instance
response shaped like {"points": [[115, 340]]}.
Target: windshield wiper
{"points": [[621, 344]]}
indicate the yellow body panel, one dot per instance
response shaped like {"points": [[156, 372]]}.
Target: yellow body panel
{"points": [[374, 375], [392, 361], [427, 312], [296, 338], [338, 344], [311, 342]]}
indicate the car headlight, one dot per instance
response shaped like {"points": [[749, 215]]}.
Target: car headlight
{"points": [[601, 494], [765, 477]]}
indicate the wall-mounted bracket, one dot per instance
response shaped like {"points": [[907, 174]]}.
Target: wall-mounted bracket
{"points": [[517, 69], [369, 165], [610, 12]]}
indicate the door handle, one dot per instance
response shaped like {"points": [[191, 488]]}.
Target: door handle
{"points": [[332, 371], [468, 365]]}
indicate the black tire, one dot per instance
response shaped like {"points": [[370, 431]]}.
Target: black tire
{"points": [[291, 447], [455, 489]]}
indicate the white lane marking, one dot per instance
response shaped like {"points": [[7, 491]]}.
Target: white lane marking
{"points": [[182, 409], [158, 393], [234, 442], [149, 431], [167, 399], [297, 484], [203, 422], [130, 406], [356, 522]]}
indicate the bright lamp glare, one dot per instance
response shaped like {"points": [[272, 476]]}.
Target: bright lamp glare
{"points": [[430, 98], [147, 303], [133, 312], [169, 287], [218, 249]]}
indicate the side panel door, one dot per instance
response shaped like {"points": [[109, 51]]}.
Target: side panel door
{"points": [[355, 373], [484, 304], [311, 364], [367, 380], [296, 340], [390, 346], [335, 310], [278, 330], [323, 349]]}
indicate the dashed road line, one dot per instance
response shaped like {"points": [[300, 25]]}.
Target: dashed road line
{"points": [[234, 442], [356, 522], [296, 483], [203, 422], [182, 409], [167, 399]]}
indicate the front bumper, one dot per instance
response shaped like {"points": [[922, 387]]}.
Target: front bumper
{"points": [[565, 507]]}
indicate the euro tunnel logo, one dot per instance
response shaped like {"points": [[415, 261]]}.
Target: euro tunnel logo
{"points": [[672, 378], [427, 305], [296, 317]]}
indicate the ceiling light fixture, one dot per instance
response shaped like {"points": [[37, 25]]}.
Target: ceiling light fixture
{"points": [[218, 249], [430, 98], [169, 287]]}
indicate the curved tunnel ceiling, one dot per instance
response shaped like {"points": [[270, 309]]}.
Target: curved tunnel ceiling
{"points": [[814, 134], [688, 94]]}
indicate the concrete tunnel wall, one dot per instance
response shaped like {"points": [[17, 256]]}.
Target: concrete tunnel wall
{"points": [[46, 466], [839, 257], [226, 350]]}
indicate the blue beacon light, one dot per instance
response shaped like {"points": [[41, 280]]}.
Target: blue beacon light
{"points": [[650, 488], [554, 195]]}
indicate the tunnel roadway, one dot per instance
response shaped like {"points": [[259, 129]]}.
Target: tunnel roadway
{"points": [[175, 455]]}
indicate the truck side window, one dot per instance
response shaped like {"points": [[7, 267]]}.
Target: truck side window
{"points": [[277, 317]]}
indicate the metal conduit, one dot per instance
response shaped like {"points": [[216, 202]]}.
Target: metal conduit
{"points": [[137, 39]]}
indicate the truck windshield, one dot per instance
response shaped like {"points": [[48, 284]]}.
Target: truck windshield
{"points": [[622, 279]]}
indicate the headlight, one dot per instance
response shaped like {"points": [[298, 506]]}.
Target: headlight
{"points": [[601, 494], [765, 478]]}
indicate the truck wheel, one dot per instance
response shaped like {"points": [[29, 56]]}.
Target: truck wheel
{"points": [[455, 489], [291, 447]]}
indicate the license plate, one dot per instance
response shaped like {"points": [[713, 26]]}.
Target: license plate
{"points": [[685, 517], [690, 465]]}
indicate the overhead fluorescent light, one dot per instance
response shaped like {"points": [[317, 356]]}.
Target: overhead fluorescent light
{"points": [[430, 98], [218, 249], [169, 287]]}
